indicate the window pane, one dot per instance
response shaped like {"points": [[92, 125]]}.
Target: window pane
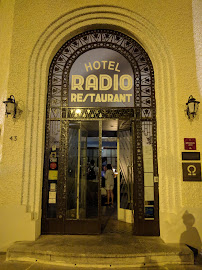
{"points": [[72, 170]]}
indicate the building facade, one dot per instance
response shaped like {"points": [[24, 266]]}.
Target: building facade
{"points": [[146, 57]]}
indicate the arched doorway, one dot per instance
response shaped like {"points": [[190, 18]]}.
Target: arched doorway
{"points": [[88, 65]]}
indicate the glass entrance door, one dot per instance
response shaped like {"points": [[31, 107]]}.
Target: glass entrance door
{"points": [[125, 165], [83, 178], [72, 178]]}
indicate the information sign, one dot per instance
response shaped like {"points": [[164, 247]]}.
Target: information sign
{"points": [[189, 143], [191, 171]]}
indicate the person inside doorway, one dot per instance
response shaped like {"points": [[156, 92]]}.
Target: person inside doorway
{"points": [[92, 177], [104, 169], [109, 184], [92, 172]]}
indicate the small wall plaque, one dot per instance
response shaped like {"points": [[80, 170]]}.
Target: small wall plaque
{"points": [[191, 171], [156, 179], [189, 143], [190, 155]]}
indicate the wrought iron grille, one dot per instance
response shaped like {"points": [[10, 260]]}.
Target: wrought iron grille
{"points": [[144, 109]]}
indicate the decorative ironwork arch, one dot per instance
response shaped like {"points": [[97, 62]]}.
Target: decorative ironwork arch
{"points": [[129, 48], [143, 113]]}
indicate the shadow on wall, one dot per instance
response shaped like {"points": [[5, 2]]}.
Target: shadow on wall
{"points": [[190, 237]]}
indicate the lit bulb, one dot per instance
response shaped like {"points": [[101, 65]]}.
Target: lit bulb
{"points": [[78, 111]]}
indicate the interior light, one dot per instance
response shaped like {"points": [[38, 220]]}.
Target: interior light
{"points": [[78, 111]]}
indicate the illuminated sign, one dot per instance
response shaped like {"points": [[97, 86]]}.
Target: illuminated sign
{"points": [[101, 78]]}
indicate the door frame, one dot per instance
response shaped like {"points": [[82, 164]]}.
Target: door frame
{"points": [[141, 226], [144, 110], [61, 224], [126, 215]]}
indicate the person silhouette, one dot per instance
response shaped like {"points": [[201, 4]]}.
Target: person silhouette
{"points": [[190, 237], [109, 184]]}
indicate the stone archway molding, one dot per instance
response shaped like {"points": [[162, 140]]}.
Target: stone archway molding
{"points": [[52, 38]]}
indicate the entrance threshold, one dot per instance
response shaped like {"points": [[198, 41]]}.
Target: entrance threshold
{"points": [[110, 224], [106, 250]]}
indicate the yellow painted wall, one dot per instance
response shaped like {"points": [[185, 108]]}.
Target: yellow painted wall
{"points": [[163, 28], [6, 22]]}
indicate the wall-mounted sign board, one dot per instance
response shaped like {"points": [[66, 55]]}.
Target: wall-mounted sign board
{"points": [[101, 78], [52, 175], [191, 171], [189, 143], [190, 155]]}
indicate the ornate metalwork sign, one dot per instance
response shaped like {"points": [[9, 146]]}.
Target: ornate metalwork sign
{"points": [[101, 78]]}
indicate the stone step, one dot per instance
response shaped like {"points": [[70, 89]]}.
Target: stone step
{"points": [[99, 252]]}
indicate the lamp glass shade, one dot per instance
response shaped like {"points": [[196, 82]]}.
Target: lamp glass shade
{"points": [[191, 107], [10, 108]]}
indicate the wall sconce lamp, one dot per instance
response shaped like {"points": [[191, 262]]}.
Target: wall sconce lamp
{"points": [[192, 107], [11, 106]]}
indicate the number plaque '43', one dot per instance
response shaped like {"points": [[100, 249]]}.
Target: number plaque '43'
{"points": [[13, 138]]}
